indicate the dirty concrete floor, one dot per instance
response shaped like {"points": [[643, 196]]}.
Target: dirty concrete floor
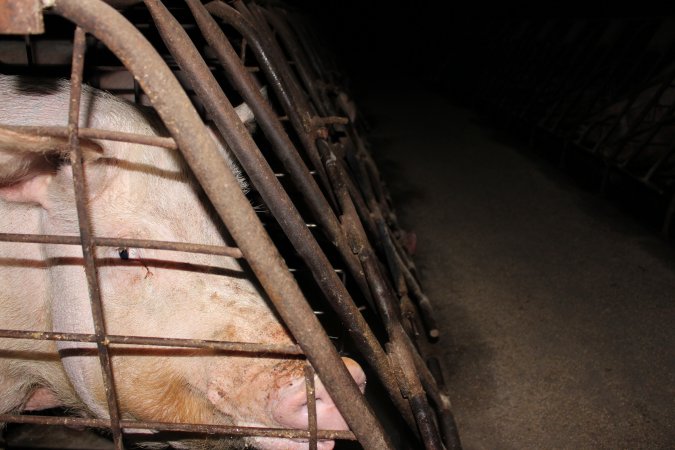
{"points": [[557, 309]]}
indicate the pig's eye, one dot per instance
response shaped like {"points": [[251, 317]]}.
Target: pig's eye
{"points": [[124, 253]]}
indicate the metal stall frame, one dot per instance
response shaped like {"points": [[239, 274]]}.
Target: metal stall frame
{"points": [[173, 106], [400, 368]]}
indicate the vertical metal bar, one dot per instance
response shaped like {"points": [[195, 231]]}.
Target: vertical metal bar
{"points": [[88, 246], [311, 406], [30, 54]]}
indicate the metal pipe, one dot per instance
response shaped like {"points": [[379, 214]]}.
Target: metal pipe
{"points": [[311, 407], [88, 246], [230, 430], [93, 133], [258, 350], [232, 252]]}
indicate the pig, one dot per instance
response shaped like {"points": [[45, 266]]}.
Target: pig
{"points": [[142, 192]]}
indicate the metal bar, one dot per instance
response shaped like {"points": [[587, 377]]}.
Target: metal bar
{"points": [[232, 252], [94, 133], [21, 17], [180, 427], [259, 350], [311, 407], [403, 354], [88, 247], [446, 419], [386, 242], [201, 154], [298, 56]]}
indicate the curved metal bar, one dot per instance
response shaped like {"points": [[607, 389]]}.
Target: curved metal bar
{"points": [[87, 243], [259, 350], [298, 56], [232, 252]]}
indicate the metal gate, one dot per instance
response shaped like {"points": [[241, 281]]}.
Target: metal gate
{"points": [[327, 209]]}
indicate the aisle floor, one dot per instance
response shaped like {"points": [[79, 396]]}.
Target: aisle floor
{"points": [[557, 309]]}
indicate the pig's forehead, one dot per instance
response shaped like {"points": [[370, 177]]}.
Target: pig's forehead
{"points": [[156, 207]]}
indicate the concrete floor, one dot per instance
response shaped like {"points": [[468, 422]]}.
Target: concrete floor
{"points": [[557, 310]]}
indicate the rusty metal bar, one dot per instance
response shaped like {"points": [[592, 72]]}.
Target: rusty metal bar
{"points": [[21, 17], [311, 407], [260, 350], [446, 418], [231, 252], [88, 247], [298, 56], [400, 347], [389, 311], [180, 427], [94, 133], [403, 352], [200, 152], [395, 257]]}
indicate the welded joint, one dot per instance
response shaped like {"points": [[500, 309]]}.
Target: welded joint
{"points": [[317, 125]]}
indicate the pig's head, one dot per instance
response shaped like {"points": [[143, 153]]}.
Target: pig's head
{"points": [[143, 192]]}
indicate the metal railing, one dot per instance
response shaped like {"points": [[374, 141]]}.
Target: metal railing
{"points": [[348, 204]]}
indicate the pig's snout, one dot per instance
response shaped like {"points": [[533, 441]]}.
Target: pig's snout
{"points": [[290, 408]]}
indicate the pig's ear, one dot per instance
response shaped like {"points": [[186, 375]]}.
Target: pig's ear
{"points": [[27, 162], [246, 114]]}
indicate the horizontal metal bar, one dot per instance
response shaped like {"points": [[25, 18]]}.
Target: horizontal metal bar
{"points": [[96, 133], [180, 427], [232, 252], [259, 350]]}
